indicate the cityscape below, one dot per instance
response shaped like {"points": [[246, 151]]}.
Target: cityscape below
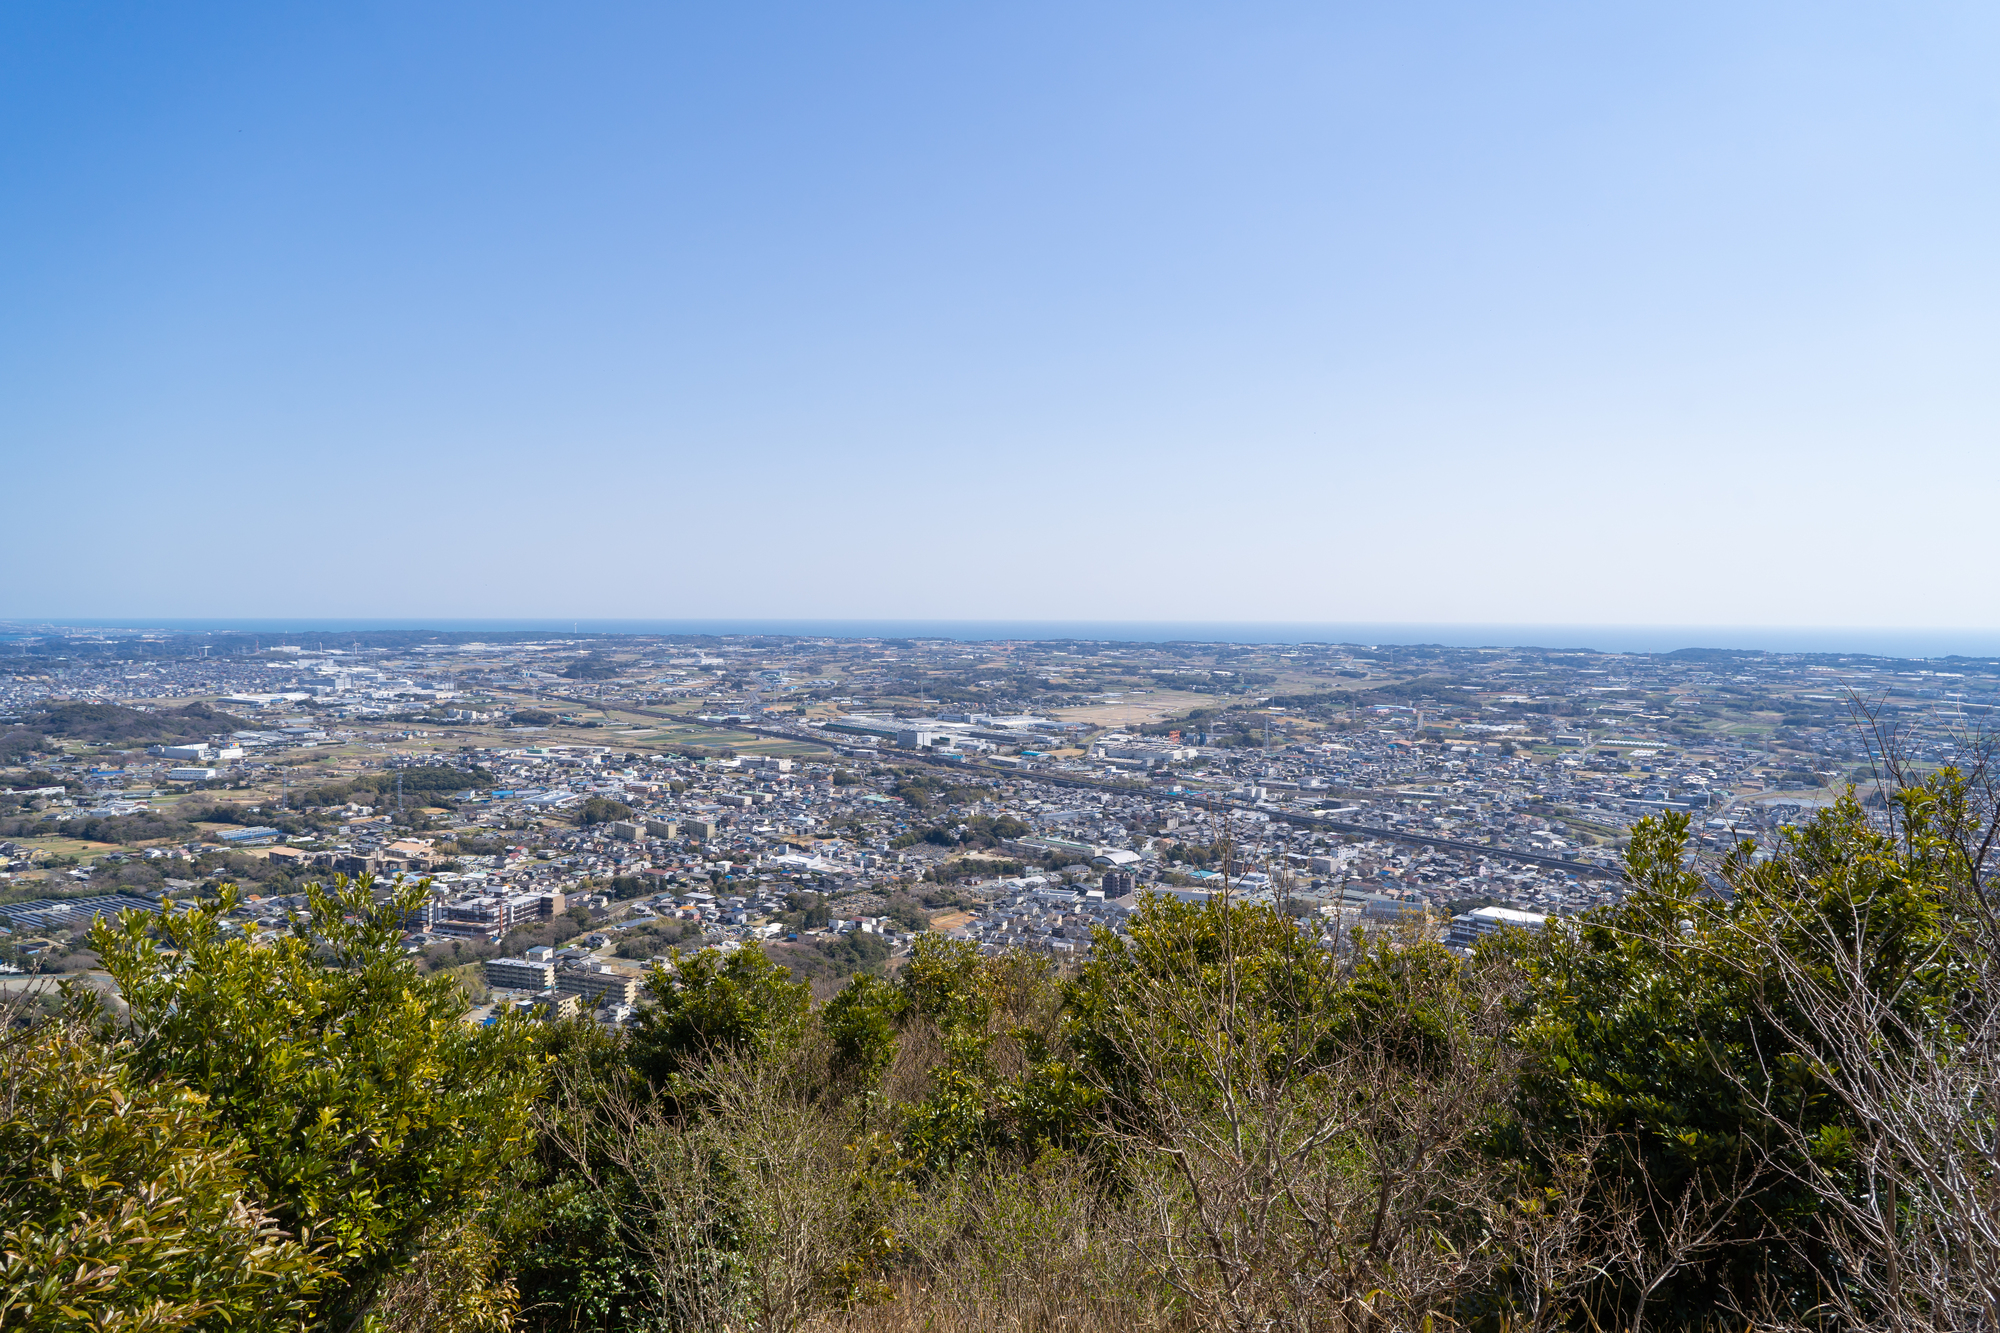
{"points": [[586, 804]]}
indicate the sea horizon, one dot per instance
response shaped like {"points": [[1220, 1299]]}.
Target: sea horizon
{"points": [[1904, 643]]}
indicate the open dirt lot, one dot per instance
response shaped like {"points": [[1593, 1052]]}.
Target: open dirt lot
{"points": [[1136, 708]]}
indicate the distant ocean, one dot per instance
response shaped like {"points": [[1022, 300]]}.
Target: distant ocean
{"points": [[1904, 643]]}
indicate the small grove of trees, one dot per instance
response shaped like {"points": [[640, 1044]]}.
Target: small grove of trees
{"points": [[1757, 1092], [975, 832], [591, 667], [116, 724], [36, 779], [927, 791], [21, 745], [655, 938], [806, 910], [622, 887], [146, 827], [421, 785], [856, 951], [908, 915], [602, 810]]}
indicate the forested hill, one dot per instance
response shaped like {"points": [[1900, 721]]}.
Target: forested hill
{"points": [[112, 724]]}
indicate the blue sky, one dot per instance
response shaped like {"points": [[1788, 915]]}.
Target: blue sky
{"points": [[1502, 313]]}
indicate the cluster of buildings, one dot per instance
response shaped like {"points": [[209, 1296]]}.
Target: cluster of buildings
{"points": [[1467, 789], [561, 985]]}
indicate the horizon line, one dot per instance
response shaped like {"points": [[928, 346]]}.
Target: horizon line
{"points": [[1898, 642]]}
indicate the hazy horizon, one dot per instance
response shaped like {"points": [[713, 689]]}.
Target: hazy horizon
{"points": [[1914, 644]]}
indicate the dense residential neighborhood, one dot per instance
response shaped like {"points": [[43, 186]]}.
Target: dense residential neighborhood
{"points": [[582, 809]]}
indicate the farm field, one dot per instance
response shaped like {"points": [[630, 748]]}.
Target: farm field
{"points": [[1134, 709]]}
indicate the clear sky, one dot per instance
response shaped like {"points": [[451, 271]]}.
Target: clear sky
{"points": [[1410, 312]]}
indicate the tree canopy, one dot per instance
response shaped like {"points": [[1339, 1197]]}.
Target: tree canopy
{"points": [[371, 1116], [1757, 1090]]}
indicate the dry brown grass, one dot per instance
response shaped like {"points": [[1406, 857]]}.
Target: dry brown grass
{"points": [[1032, 1250], [1149, 707], [918, 1309]]}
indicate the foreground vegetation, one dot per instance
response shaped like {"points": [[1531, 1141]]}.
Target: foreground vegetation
{"points": [[1756, 1094]]}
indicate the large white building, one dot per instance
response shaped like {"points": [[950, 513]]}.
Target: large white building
{"points": [[595, 981], [520, 974], [1467, 928]]}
